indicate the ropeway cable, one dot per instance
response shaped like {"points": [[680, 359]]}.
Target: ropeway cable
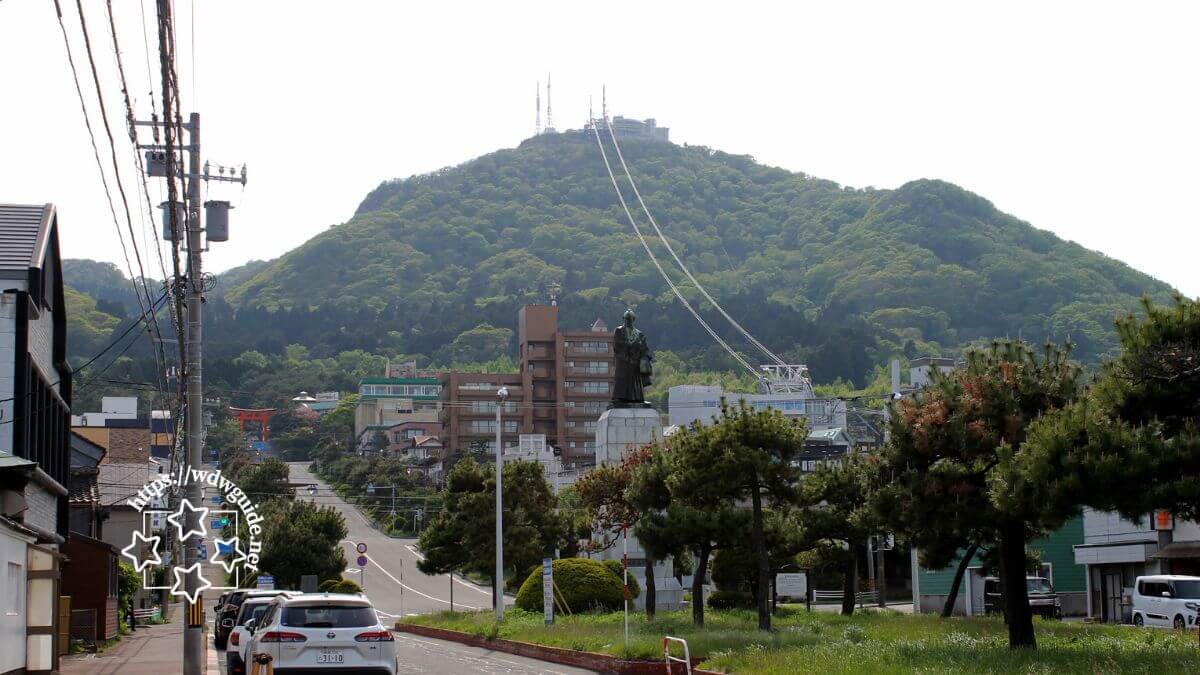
{"points": [[611, 176], [771, 355]]}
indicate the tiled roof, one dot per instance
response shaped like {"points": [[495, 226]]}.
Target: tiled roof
{"points": [[84, 487], [119, 482]]}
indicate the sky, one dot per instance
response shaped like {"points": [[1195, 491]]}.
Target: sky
{"points": [[1080, 118]]}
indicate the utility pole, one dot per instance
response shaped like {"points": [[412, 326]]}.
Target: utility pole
{"points": [[195, 656], [502, 394], [195, 659]]}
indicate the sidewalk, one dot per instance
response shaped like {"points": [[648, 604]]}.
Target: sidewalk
{"points": [[150, 650]]}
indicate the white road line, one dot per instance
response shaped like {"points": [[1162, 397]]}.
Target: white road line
{"points": [[458, 579], [402, 585]]}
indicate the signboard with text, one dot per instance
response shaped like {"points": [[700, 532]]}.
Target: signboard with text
{"points": [[548, 590], [265, 582], [792, 584]]}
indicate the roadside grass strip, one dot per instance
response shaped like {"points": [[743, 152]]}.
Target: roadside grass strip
{"points": [[867, 642]]}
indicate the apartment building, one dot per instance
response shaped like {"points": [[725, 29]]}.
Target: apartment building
{"points": [[564, 384]]}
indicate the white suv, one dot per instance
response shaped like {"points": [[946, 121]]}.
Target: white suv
{"points": [[1166, 600], [324, 632], [240, 627]]}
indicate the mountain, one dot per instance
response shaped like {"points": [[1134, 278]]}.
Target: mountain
{"points": [[837, 277]]}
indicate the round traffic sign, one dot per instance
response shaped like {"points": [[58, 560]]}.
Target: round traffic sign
{"points": [[362, 561], [360, 547]]}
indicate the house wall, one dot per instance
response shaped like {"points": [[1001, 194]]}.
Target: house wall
{"points": [[87, 578], [13, 566], [8, 331], [1070, 579]]}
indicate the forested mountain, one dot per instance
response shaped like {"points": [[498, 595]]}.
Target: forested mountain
{"points": [[437, 265]]}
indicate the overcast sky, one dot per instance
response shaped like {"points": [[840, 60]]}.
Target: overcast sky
{"points": [[1078, 117]]}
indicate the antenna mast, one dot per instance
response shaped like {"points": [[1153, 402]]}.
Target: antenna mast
{"points": [[604, 101], [537, 127], [549, 113]]}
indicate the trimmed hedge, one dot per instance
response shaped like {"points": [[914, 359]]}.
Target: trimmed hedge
{"points": [[614, 566], [731, 600], [584, 585], [339, 586]]}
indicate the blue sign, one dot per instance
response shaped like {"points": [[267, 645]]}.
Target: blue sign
{"points": [[224, 549], [216, 499], [362, 561], [259, 445], [203, 551], [218, 523]]}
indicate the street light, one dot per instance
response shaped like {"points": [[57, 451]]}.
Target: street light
{"points": [[498, 593]]}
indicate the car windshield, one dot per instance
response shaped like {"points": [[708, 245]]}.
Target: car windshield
{"points": [[254, 611], [329, 616], [1038, 585], [1189, 589]]}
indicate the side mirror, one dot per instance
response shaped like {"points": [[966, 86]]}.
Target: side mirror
{"points": [[251, 624], [1166, 594], [226, 623]]}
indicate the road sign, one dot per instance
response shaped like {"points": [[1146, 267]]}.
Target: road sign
{"points": [[218, 523], [265, 582], [224, 549], [203, 551], [360, 547], [216, 499], [548, 590], [362, 561], [792, 584]]}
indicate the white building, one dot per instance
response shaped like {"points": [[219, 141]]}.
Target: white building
{"points": [[111, 408]]}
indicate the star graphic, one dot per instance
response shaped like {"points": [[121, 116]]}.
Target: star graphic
{"points": [[234, 557], [178, 520], [133, 551], [182, 573]]}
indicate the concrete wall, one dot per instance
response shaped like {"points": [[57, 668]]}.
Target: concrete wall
{"points": [[8, 328]]}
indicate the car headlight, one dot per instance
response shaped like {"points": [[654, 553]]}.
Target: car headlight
{"points": [[1194, 606]]}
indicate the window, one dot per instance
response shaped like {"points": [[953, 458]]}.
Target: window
{"points": [[14, 585], [490, 407], [413, 433], [482, 426], [479, 386], [329, 616], [590, 346], [600, 367], [593, 387]]}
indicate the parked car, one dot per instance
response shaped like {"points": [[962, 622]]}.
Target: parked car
{"points": [[1166, 600], [318, 631], [1042, 598], [250, 613], [226, 612]]}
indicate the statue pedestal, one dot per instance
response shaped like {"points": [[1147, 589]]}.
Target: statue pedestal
{"points": [[621, 429]]}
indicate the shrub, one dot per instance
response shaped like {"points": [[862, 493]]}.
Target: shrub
{"points": [[614, 566], [584, 585], [339, 586], [730, 600]]}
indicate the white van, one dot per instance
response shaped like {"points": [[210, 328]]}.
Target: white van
{"points": [[1166, 600]]}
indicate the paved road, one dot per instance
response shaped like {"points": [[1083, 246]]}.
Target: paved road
{"points": [[392, 560]]}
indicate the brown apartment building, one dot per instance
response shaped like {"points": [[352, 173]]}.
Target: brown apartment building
{"points": [[564, 384]]}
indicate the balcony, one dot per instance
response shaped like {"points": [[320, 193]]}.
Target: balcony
{"points": [[587, 372]]}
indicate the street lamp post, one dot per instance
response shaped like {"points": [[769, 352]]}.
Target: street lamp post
{"points": [[498, 593]]}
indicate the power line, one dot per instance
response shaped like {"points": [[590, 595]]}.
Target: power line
{"points": [[671, 249], [737, 357]]}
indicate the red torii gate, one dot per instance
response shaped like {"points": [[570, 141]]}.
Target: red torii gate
{"points": [[260, 415]]}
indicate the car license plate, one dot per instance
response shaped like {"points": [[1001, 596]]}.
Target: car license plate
{"points": [[330, 656]]}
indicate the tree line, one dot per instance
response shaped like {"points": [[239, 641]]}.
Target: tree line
{"points": [[1000, 451]]}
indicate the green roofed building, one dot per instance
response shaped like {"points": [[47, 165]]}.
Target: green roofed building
{"points": [[384, 402], [1057, 553]]}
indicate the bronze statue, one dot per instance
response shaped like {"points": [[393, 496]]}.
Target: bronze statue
{"points": [[634, 365]]}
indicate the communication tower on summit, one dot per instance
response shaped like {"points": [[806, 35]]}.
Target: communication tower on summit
{"points": [[537, 128], [549, 112]]}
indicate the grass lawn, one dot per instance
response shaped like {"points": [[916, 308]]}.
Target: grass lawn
{"points": [[868, 642]]}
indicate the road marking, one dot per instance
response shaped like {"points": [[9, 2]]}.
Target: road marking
{"points": [[402, 585], [460, 580]]}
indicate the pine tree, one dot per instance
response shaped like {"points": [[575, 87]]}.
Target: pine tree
{"points": [[956, 461], [836, 501]]}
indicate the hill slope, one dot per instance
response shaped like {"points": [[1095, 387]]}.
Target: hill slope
{"points": [[838, 276]]}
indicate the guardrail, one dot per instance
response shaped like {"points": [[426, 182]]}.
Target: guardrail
{"points": [[687, 655]]}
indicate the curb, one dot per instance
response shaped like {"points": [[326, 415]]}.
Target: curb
{"points": [[603, 663]]}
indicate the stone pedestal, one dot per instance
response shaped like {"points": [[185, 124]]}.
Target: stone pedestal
{"points": [[622, 429]]}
